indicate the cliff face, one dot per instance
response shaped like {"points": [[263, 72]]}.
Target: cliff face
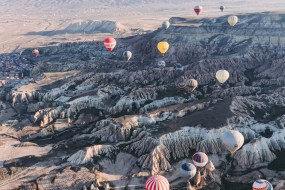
{"points": [[98, 26], [258, 28], [177, 145]]}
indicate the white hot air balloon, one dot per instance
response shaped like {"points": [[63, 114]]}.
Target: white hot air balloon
{"points": [[127, 55], [188, 170], [233, 140], [233, 20], [222, 76], [165, 25]]}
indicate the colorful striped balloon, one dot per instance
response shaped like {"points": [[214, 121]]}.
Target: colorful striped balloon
{"points": [[200, 159], [222, 76], [110, 43], [261, 184], [198, 9], [192, 84], [182, 86], [233, 20], [222, 8], [157, 182]]}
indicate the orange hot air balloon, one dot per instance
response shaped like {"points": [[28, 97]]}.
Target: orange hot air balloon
{"points": [[35, 52], [110, 43]]}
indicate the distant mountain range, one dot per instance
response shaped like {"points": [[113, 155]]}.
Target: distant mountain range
{"points": [[9, 6]]}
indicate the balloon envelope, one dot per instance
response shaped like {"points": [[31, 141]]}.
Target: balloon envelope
{"points": [[192, 84], [200, 159], [261, 184], [222, 75], [165, 24], [157, 182], [110, 43], [127, 55], [222, 8], [188, 170], [198, 9], [35, 52], [176, 64], [161, 64], [162, 47], [233, 20], [179, 68], [233, 140], [182, 86]]}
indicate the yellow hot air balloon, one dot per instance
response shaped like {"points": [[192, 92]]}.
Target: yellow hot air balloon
{"points": [[222, 76], [162, 47], [192, 84], [233, 20]]}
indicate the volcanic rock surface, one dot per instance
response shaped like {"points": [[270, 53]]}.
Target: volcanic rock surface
{"points": [[114, 123]]}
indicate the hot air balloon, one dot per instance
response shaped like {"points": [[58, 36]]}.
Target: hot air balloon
{"points": [[127, 55], [179, 68], [200, 159], [35, 52], [188, 170], [157, 182], [182, 86], [198, 9], [163, 47], [233, 20], [165, 24], [261, 184], [161, 64], [222, 8], [192, 84], [110, 43], [176, 64], [222, 76], [233, 140]]}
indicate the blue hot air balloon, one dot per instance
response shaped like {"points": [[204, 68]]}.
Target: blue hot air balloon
{"points": [[182, 86], [176, 64], [161, 64], [188, 170], [179, 68]]}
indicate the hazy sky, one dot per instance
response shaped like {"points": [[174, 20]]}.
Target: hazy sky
{"points": [[29, 6]]}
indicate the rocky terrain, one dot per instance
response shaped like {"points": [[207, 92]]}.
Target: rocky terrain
{"points": [[110, 124]]}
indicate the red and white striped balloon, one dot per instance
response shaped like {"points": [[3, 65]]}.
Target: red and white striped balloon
{"points": [[157, 182], [198, 9], [110, 43]]}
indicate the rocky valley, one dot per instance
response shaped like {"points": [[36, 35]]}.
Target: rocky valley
{"points": [[88, 119]]}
